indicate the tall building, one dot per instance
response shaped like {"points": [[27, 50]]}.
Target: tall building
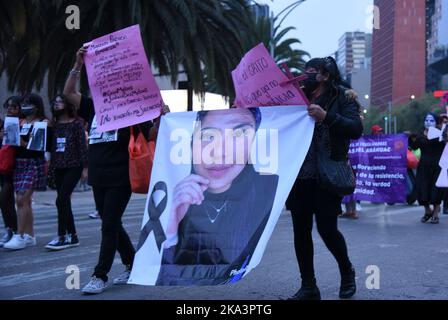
{"points": [[361, 80], [399, 52], [437, 35], [354, 49], [437, 44], [430, 10], [354, 58]]}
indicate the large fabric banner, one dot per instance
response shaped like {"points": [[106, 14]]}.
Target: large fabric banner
{"points": [[380, 164], [121, 82], [259, 82], [219, 183]]}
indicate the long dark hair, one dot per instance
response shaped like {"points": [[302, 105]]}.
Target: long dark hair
{"points": [[37, 101], [328, 66], [70, 107], [14, 99], [436, 117], [255, 112]]}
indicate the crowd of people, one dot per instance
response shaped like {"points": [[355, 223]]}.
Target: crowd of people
{"points": [[425, 190], [74, 156], [67, 148], [423, 171], [78, 152]]}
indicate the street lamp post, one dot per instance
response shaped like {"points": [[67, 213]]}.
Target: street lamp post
{"points": [[291, 8], [395, 124], [389, 118]]}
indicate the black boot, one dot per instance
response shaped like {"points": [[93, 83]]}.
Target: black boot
{"points": [[348, 285], [308, 291]]}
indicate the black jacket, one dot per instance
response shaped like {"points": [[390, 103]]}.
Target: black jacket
{"points": [[108, 162], [432, 150], [345, 124]]}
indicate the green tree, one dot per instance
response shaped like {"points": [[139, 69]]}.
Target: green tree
{"points": [[273, 34], [410, 116], [284, 51], [203, 38], [21, 31]]}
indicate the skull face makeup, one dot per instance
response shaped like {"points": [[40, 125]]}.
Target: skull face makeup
{"points": [[430, 121]]}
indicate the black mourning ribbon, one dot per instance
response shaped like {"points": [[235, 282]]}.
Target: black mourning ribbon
{"points": [[154, 213]]}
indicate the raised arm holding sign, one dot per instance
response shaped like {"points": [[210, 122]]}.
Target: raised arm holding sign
{"points": [[123, 88]]}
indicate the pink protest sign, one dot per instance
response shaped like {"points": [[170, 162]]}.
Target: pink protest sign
{"points": [[123, 88], [259, 82]]}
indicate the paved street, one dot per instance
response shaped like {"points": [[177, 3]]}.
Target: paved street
{"points": [[412, 258]]}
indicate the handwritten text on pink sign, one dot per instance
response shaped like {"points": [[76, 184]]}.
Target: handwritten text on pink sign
{"points": [[123, 88], [258, 80]]}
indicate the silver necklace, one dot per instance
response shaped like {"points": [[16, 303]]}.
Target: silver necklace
{"points": [[217, 210]]}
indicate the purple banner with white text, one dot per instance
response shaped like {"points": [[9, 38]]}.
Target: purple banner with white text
{"points": [[380, 165]]}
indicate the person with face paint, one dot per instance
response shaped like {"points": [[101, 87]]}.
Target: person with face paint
{"points": [[29, 173], [7, 201], [428, 170], [338, 122], [69, 161], [221, 209]]}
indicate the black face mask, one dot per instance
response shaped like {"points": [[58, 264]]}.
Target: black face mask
{"points": [[310, 84], [28, 110]]}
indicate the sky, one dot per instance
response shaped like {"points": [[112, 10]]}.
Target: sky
{"points": [[320, 23]]}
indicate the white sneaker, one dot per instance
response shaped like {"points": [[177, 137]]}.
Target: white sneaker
{"points": [[53, 242], [123, 278], [17, 242], [29, 240], [94, 215], [358, 207], [95, 286], [6, 237], [59, 243]]}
